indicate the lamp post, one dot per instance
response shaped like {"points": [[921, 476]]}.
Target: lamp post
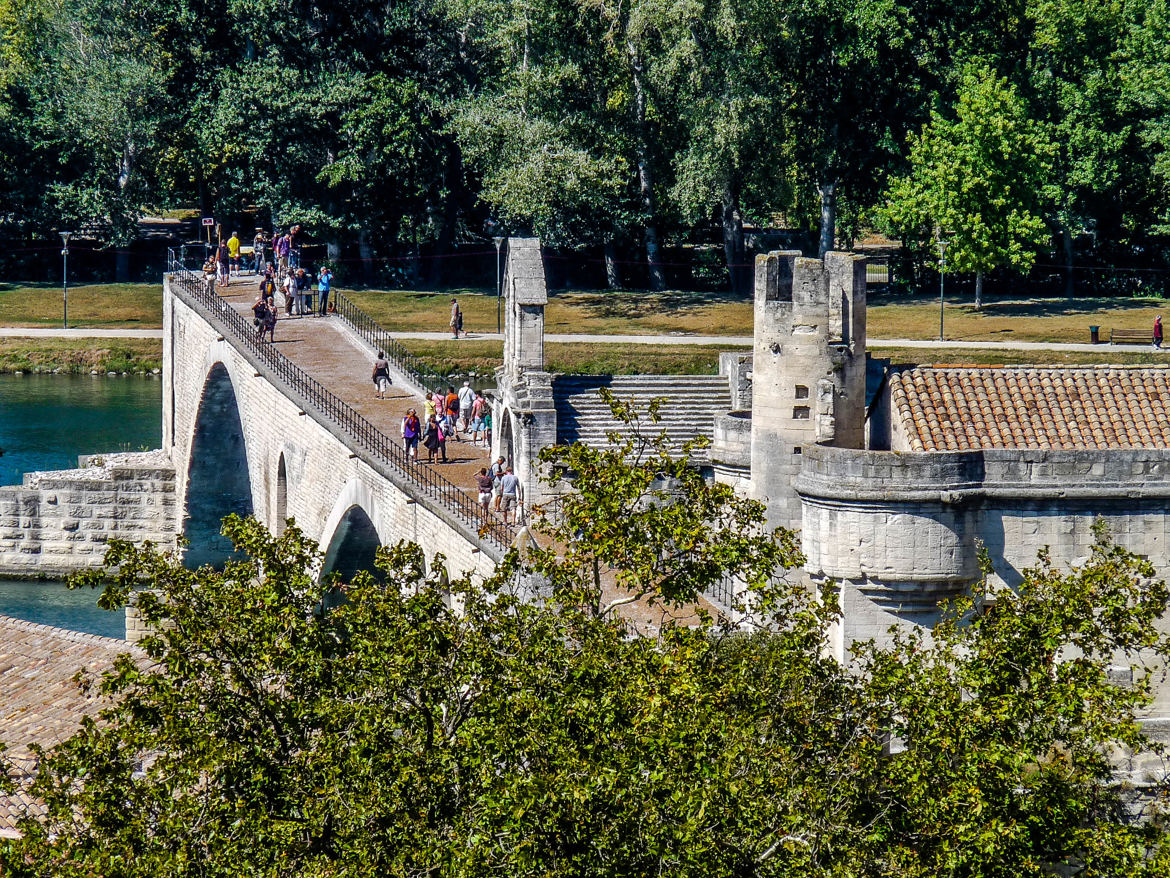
{"points": [[65, 236], [499, 242], [942, 276]]}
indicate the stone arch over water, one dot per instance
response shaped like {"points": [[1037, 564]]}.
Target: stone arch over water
{"points": [[218, 481], [351, 536]]}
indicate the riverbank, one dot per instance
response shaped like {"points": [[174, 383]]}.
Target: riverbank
{"points": [[79, 356]]}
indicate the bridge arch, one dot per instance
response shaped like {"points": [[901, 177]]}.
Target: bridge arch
{"points": [[352, 533], [218, 479], [507, 440]]}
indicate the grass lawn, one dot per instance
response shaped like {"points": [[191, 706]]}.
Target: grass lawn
{"points": [[106, 305], [482, 357], [596, 313], [80, 355], [624, 313]]}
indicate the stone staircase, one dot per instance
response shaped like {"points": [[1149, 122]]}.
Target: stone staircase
{"points": [[689, 410]]}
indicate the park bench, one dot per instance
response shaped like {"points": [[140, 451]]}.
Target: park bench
{"points": [[1131, 336]]}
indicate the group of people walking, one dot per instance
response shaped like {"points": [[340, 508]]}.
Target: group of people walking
{"points": [[455, 416]]}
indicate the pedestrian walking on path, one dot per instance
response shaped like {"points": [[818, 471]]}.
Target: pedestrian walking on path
{"points": [[430, 438], [498, 469], [484, 483], [1158, 331], [381, 375], [511, 496], [466, 402], [224, 264], [269, 324], [258, 251], [259, 314], [410, 433], [456, 318]]}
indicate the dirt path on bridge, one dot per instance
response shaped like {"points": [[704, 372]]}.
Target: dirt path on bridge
{"points": [[330, 354]]}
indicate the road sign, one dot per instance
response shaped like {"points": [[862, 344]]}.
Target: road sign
{"points": [[209, 221]]}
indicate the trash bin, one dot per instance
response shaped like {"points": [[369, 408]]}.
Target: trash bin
{"points": [[1094, 335]]}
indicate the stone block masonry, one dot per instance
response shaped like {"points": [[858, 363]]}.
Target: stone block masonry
{"points": [[59, 522]]}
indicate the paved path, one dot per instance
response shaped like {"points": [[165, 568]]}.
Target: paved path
{"points": [[746, 341], [333, 355], [248, 282], [75, 332]]}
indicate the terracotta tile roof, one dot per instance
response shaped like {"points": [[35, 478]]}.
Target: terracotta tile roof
{"points": [[39, 700], [961, 408]]}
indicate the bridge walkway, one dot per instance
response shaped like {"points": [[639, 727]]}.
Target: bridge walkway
{"points": [[326, 349]]}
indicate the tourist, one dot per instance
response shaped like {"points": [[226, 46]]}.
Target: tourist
{"points": [[268, 286], [428, 406], [498, 470], [324, 283], [269, 324], [224, 264], [234, 253], [410, 432], [432, 439], [290, 293], [1158, 331], [304, 286], [294, 246], [280, 249], [484, 483], [259, 313], [487, 427], [478, 409], [258, 243], [511, 495], [439, 402], [451, 406], [466, 401], [381, 375], [456, 318]]}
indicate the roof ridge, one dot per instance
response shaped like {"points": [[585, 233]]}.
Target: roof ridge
{"points": [[83, 637]]}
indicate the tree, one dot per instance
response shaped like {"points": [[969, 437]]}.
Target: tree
{"points": [[977, 179], [466, 728]]}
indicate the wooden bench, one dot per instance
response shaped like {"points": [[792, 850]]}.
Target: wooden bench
{"points": [[1131, 336]]}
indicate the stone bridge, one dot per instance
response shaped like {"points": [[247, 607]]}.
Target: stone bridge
{"points": [[249, 431]]}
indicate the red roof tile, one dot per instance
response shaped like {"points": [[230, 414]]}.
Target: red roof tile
{"points": [[960, 408], [39, 700]]}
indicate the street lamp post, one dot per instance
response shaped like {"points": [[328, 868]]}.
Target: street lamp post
{"points": [[499, 242], [942, 276], [65, 236]]}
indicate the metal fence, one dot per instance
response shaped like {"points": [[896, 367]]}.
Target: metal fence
{"points": [[192, 288], [369, 330]]}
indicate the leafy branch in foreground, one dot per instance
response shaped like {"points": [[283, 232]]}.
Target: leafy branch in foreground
{"points": [[639, 514], [463, 728]]}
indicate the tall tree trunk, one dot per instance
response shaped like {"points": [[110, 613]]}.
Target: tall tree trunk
{"points": [[452, 179], [979, 291], [366, 254], [613, 277], [1070, 278], [828, 190], [646, 176], [733, 248], [124, 238]]}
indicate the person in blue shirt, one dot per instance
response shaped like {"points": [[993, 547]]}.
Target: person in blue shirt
{"points": [[324, 282]]}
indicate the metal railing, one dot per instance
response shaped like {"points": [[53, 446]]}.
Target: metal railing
{"points": [[360, 432], [370, 331]]}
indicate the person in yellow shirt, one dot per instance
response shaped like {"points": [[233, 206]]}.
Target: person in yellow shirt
{"points": [[234, 252]]}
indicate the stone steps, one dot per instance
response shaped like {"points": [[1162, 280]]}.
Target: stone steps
{"points": [[689, 410]]}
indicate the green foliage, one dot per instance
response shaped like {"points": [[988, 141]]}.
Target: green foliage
{"points": [[469, 727], [977, 179]]}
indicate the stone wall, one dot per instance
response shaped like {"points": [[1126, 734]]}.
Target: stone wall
{"points": [[56, 523], [902, 529]]}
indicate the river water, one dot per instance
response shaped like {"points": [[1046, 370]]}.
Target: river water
{"points": [[46, 421]]}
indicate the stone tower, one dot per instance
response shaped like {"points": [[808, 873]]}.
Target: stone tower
{"points": [[808, 382], [524, 415]]}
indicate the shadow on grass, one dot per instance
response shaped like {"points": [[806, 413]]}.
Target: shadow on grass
{"points": [[1027, 307]]}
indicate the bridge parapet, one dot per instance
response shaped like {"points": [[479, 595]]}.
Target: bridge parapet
{"points": [[381, 452]]}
